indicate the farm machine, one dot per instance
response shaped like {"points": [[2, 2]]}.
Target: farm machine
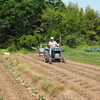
{"points": [[51, 54]]}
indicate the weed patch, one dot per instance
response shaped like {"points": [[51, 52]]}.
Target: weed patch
{"points": [[1, 61], [13, 61], [52, 88], [37, 78]]}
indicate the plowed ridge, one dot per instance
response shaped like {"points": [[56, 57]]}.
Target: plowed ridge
{"points": [[84, 79]]}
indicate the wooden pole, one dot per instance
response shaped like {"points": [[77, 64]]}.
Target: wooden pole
{"points": [[60, 40]]}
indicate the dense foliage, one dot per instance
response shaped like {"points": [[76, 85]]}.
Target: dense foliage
{"points": [[27, 23]]}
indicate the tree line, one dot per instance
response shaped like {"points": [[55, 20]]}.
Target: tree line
{"points": [[26, 23]]}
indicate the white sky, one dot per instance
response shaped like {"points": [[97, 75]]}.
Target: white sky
{"points": [[95, 4]]}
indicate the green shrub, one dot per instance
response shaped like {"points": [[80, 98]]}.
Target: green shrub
{"points": [[73, 41], [12, 48], [27, 41]]}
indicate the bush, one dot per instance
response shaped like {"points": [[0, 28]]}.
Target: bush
{"points": [[73, 41], [12, 48], [27, 41]]}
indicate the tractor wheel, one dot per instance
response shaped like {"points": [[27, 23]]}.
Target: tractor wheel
{"points": [[50, 60], [46, 58], [63, 60]]}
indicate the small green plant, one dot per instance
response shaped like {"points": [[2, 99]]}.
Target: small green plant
{"points": [[6, 65], [36, 95], [7, 68], [1, 61], [7, 58], [1, 97], [13, 61]]}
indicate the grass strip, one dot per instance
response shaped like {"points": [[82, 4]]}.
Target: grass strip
{"points": [[79, 54]]}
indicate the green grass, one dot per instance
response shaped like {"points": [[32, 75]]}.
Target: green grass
{"points": [[79, 54], [3, 50], [76, 54], [23, 51]]}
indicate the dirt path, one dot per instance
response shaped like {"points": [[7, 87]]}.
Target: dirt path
{"points": [[11, 89], [84, 79]]}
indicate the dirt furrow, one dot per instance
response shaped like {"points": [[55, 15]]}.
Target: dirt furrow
{"points": [[12, 90], [82, 84], [87, 66], [90, 69], [83, 68], [87, 72], [86, 69]]}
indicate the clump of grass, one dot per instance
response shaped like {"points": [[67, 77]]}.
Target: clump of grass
{"points": [[37, 78], [52, 88], [6, 65], [57, 89], [26, 51], [3, 50], [22, 50], [24, 67], [21, 68], [1, 61], [8, 58], [13, 61], [1, 97]]}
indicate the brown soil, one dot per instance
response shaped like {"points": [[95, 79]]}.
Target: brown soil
{"points": [[81, 81], [10, 88]]}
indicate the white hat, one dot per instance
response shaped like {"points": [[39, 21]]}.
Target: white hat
{"points": [[52, 38]]}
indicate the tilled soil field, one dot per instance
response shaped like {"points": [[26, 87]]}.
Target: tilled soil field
{"points": [[10, 88], [81, 81]]}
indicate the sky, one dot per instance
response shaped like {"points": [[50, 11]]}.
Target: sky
{"points": [[95, 4]]}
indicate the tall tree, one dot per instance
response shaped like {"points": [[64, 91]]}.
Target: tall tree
{"points": [[18, 18], [56, 4]]}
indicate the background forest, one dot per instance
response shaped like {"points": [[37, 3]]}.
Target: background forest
{"points": [[26, 23]]}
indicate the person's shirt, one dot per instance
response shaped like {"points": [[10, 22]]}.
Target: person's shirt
{"points": [[53, 44]]}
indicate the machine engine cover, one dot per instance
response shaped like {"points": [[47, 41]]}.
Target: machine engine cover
{"points": [[57, 56]]}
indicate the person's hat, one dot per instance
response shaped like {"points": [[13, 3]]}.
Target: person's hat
{"points": [[52, 38]]}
